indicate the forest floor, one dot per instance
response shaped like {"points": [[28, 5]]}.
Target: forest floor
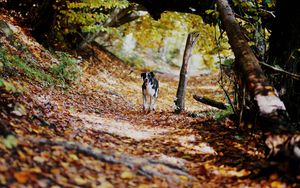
{"points": [[94, 133]]}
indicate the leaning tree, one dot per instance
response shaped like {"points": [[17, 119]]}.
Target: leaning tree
{"points": [[280, 136]]}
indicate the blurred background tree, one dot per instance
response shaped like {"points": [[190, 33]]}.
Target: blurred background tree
{"points": [[144, 42], [160, 44]]}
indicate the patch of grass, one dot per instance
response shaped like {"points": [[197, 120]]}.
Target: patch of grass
{"points": [[7, 86], [67, 70], [33, 73], [219, 115], [12, 63], [214, 114], [61, 74]]}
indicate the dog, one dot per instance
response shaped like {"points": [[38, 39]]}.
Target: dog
{"points": [[149, 88]]}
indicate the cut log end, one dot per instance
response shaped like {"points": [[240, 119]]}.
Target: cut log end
{"points": [[269, 105]]}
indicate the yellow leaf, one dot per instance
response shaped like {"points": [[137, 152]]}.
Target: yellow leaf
{"points": [[2, 180], [29, 151], [80, 181], [65, 165], [73, 157], [105, 184], [21, 155], [183, 178], [143, 186], [277, 184], [35, 169], [127, 175]]}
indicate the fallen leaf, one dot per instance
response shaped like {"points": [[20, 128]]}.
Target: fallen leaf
{"points": [[143, 186], [105, 184], [22, 177], [2, 180], [21, 155], [10, 141], [183, 178], [35, 169], [80, 181], [127, 175], [276, 184], [55, 171], [39, 159], [19, 110], [73, 157]]}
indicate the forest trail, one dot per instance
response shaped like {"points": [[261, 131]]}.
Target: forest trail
{"points": [[94, 134], [158, 149]]}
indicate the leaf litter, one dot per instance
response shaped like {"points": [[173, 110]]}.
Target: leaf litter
{"points": [[94, 134]]}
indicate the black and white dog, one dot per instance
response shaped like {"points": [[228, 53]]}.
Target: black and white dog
{"points": [[149, 88]]}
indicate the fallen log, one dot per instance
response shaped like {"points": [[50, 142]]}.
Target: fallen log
{"points": [[210, 102]]}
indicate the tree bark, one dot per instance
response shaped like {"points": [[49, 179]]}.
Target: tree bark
{"points": [[248, 68], [190, 42], [281, 139], [210, 102], [271, 108]]}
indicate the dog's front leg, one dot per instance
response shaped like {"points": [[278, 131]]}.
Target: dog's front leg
{"points": [[152, 103], [144, 103]]}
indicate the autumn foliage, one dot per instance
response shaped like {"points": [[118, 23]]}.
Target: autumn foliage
{"points": [[75, 119]]}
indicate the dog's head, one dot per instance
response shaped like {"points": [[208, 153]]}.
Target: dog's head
{"points": [[147, 76]]}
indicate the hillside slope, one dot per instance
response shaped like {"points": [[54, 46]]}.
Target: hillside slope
{"points": [[90, 131]]}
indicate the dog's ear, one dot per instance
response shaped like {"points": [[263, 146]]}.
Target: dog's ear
{"points": [[152, 74], [143, 75]]}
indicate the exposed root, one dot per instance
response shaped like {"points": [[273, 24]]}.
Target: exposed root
{"points": [[144, 166]]}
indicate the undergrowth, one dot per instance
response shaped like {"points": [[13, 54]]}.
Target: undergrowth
{"points": [[67, 70], [61, 74]]}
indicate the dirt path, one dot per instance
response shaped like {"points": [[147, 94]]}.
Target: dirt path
{"points": [[94, 134], [159, 149]]}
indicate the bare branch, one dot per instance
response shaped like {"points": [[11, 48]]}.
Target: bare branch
{"points": [[278, 69]]}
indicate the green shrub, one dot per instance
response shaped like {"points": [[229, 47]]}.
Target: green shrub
{"points": [[67, 70]]}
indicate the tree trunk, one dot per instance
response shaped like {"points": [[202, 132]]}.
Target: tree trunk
{"points": [[248, 68], [283, 146], [190, 42]]}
